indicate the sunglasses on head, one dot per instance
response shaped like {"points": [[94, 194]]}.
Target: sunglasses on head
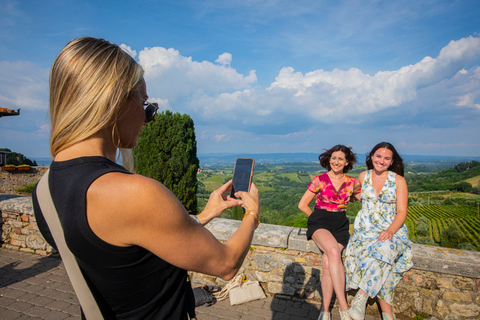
{"points": [[150, 110]]}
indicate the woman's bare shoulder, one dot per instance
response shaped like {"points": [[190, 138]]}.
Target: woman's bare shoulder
{"points": [[361, 176], [130, 193], [399, 178], [127, 203], [124, 182]]}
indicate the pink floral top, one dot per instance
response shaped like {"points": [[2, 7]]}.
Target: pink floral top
{"points": [[328, 198]]}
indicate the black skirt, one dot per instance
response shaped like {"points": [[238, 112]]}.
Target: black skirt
{"points": [[334, 221]]}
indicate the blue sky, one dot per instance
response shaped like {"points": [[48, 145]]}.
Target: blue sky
{"points": [[267, 76]]}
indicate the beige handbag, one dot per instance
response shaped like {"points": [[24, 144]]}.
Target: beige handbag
{"points": [[241, 291], [247, 291]]}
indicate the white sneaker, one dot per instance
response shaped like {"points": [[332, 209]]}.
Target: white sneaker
{"points": [[359, 304], [324, 315], [344, 315]]}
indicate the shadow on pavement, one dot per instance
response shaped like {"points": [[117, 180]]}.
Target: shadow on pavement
{"points": [[296, 290], [15, 268]]}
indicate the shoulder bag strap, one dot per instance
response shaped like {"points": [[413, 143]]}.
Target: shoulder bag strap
{"points": [[87, 301]]}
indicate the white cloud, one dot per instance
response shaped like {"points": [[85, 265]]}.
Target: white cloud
{"points": [[168, 66], [350, 91], [45, 128], [162, 103], [213, 93], [224, 59], [221, 137], [128, 50]]}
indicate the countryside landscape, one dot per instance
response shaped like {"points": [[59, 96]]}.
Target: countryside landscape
{"points": [[444, 197], [443, 202]]}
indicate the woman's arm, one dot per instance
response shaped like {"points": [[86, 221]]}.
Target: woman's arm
{"points": [[358, 196], [217, 203], [305, 201], [402, 202], [141, 211]]}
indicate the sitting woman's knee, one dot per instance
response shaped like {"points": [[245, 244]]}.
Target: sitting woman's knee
{"points": [[333, 254]]}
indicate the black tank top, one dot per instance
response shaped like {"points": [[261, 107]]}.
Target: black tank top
{"points": [[127, 282]]}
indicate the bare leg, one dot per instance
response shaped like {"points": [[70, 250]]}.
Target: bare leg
{"points": [[327, 243], [387, 308], [327, 286]]}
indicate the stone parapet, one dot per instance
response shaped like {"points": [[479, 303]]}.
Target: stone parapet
{"points": [[19, 226], [443, 283]]}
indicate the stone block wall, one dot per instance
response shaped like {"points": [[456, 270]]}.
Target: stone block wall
{"points": [[443, 283], [10, 181], [19, 227]]}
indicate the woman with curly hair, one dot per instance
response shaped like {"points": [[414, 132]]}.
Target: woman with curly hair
{"points": [[328, 224]]}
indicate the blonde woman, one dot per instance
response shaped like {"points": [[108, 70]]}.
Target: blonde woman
{"points": [[131, 237]]}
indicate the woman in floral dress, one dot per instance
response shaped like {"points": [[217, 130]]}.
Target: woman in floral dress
{"points": [[379, 252], [328, 225]]}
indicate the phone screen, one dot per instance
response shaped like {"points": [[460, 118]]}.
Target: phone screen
{"points": [[242, 174]]}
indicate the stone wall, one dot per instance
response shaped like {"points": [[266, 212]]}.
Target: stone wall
{"points": [[443, 284], [10, 181]]}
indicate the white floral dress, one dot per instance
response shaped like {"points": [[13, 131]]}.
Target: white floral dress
{"points": [[373, 266]]}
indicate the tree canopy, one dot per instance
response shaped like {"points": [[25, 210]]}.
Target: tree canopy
{"points": [[167, 152], [17, 158]]}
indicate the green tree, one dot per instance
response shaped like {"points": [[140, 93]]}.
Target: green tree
{"points": [[451, 236], [18, 158], [167, 152], [422, 226], [448, 201], [464, 186]]}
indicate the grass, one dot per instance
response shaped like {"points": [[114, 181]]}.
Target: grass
{"points": [[28, 188], [473, 181]]}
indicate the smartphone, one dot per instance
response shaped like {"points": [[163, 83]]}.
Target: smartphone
{"points": [[242, 175]]}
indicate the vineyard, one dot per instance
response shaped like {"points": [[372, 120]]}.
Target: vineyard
{"points": [[441, 216]]}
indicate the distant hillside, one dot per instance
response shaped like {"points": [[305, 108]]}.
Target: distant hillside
{"points": [[216, 159], [448, 179]]}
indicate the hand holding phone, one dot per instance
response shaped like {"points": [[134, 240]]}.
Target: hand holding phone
{"points": [[242, 175]]}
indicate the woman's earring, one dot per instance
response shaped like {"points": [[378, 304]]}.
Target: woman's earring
{"points": [[115, 140]]}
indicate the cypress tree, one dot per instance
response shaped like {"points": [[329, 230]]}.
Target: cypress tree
{"points": [[167, 152]]}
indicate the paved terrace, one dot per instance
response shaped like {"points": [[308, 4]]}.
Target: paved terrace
{"points": [[37, 287]]}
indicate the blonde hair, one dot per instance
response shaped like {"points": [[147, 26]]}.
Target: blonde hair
{"points": [[90, 81]]}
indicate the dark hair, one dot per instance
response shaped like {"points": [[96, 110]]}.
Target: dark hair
{"points": [[349, 156], [397, 165]]}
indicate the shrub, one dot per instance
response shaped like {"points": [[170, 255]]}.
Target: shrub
{"points": [[422, 226], [424, 240], [28, 188], [422, 230], [451, 236], [475, 190], [466, 246], [448, 201]]}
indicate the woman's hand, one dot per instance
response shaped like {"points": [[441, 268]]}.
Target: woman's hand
{"points": [[218, 202], [386, 235], [250, 200]]}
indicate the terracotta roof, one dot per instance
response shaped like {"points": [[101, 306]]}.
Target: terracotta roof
{"points": [[8, 112]]}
